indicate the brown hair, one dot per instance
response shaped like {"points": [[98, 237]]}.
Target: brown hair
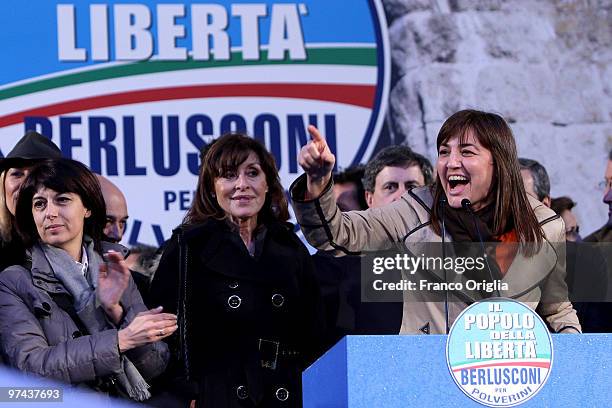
{"points": [[560, 204], [6, 218], [224, 155], [507, 192], [61, 176]]}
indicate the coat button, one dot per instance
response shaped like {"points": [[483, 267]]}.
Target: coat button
{"points": [[282, 394], [76, 334], [46, 306], [234, 285], [242, 392], [278, 299], [38, 282], [234, 301]]}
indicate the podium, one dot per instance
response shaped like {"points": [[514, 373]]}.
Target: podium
{"points": [[411, 371]]}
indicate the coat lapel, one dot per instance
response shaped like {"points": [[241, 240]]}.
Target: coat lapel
{"points": [[525, 273], [213, 244]]}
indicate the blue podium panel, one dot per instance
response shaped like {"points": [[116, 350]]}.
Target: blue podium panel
{"points": [[405, 371]]}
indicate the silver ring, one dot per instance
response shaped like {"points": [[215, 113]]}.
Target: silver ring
{"points": [[161, 332]]}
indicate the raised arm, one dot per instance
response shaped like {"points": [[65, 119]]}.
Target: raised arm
{"points": [[322, 222]]}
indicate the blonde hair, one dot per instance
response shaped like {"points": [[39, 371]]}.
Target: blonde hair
{"points": [[6, 218]]}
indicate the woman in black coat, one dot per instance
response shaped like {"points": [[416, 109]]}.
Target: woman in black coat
{"points": [[248, 305]]}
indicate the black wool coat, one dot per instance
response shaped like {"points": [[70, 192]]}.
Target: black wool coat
{"points": [[11, 253], [250, 324]]}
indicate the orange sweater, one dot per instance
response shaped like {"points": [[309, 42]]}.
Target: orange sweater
{"points": [[504, 254]]}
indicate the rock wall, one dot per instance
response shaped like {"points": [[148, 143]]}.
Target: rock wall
{"points": [[544, 65]]}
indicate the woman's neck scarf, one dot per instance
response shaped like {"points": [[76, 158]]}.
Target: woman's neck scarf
{"points": [[88, 308], [468, 230]]}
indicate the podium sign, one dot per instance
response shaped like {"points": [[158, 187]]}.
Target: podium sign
{"points": [[411, 370]]}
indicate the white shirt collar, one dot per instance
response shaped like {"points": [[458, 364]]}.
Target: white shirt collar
{"points": [[84, 264]]}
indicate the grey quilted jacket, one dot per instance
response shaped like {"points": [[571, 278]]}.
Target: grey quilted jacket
{"points": [[39, 336]]}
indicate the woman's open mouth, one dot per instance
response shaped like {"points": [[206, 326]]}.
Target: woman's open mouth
{"points": [[457, 183]]}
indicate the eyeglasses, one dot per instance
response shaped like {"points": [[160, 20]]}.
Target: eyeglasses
{"points": [[605, 184]]}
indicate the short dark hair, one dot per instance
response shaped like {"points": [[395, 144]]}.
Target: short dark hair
{"points": [[353, 174], [224, 155], [610, 155], [541, 181], [61, 176], [561, 204], [396, 156]]}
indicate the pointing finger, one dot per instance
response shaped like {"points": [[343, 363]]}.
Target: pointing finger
{"points": [[314, 133]]}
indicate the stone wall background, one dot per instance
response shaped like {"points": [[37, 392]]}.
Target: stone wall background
{"points": [[544, 65]]}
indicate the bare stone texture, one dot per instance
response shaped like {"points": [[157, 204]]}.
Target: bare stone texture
{"points": [[511, 88], [586, 32], [545, 65], [606, 76], [479, 5], [397, 8], [586, 103], [499, 5], [418, 39], [504, 36], [436, 38], [575, 158], [406, 115]]}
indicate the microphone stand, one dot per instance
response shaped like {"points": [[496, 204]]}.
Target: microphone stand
{"points": [[467, 206], [443, 208]]}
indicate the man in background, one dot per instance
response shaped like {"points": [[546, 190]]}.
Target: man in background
{"points": [[604, 234], [348, 189], [587, 273], [116, 210], [392, 172], [535, 179], [116, 220]]}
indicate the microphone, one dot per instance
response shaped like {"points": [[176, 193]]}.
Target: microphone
{"points": [[467, 206], [443, 203]]}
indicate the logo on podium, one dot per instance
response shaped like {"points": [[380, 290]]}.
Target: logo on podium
{"points": [[499, 352]]}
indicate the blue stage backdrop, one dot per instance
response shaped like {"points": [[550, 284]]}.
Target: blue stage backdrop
{"points": [[135, 90]]}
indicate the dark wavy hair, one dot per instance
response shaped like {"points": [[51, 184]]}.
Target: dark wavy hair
{"points": [[61, 176], [507, 192], [225, 155], [353, 174]]}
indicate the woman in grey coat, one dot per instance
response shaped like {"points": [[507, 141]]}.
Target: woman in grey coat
{"points": [[72, 313]]}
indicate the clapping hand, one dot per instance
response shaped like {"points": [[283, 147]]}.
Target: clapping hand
{"points": [[147, 327], [113, 279]]}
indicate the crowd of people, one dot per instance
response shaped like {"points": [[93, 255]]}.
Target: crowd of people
{"points": [[231, 309]]}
